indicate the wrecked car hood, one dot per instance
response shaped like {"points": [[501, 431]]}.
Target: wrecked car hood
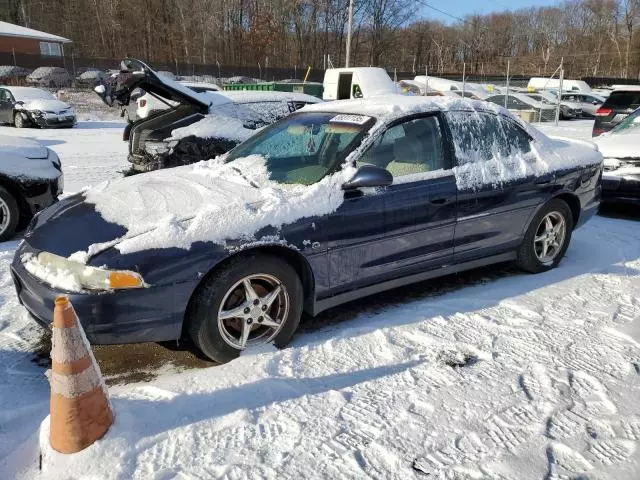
{"points": [[116, 90], [44, 105]]}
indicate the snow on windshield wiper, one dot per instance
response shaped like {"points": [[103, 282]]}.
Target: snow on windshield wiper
{"points": [[250, 182]]}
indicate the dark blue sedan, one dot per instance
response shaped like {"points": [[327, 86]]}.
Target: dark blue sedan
{"points": [[338, 201]]}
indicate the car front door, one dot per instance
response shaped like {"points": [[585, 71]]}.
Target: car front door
{"points": [[6, 106], [407, 227], [497, 190]]}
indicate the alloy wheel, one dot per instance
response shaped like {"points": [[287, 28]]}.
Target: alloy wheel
{"points": [[253, 311], [550, 237], [5, 216]]}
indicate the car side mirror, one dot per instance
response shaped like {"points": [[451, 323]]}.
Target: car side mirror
{"points": [[369, 176]]}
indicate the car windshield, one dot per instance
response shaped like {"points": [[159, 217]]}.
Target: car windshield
{"points": [[32, 94], [303, 148], [631, 124]]}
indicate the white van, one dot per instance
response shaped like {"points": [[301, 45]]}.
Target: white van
{"points": [[358, 82], [543, 83]]}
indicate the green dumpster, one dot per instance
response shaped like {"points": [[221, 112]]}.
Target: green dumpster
{"points": [[310, 88]]}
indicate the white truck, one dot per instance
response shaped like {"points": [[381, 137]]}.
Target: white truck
{"points": [[357, 82], [543, 83]]}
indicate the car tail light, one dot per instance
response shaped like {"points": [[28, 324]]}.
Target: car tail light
{"points": [[142, 103], [596, 132], [604, 112]]}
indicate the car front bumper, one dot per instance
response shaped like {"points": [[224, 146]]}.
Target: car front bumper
{"points": [[53, 121], [624, 189], [150, 314]]}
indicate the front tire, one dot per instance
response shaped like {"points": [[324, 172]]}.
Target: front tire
{"points": [[254, 299], [547, 238], [9, 215], [19, 121]]}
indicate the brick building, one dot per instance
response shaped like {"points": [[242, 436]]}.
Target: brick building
{"points": [[30, 48]]}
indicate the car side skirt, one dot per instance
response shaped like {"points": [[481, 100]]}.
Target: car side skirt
{"points": [[333, 301]]}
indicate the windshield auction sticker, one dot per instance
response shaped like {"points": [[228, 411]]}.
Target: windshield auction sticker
{"points": [[354, 119]]}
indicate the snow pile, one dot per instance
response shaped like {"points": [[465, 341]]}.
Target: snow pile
{"points": [[209, 201], [62, 278]]}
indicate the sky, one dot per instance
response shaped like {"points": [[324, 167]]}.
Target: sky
{"points": [[460, 8]]}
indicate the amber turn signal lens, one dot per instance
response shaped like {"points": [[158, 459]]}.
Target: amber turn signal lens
{"points": [[125, 280]]}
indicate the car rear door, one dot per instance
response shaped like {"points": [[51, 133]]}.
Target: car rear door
{"points": [[495, 199], [407, 227]]}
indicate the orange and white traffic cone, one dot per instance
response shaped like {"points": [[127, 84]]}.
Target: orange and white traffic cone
{"points": [[80, 408]]}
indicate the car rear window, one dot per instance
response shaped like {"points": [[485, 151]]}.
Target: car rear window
{"points": [[624, 100]]}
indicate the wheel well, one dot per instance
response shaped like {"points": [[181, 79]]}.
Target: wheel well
{"points": [[10, 187], [293, 258], [574, 205]]}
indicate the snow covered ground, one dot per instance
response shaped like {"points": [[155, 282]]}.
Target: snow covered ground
{"points": [[519, 377]]}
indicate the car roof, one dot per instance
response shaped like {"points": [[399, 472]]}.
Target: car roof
{"points": [[392, 106], [250, 96], [20, 89], [212, 86]]}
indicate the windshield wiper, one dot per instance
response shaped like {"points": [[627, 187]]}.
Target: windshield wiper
{"points": [[250, 182]]}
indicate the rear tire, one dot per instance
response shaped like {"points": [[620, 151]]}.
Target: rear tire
{"points": [[552, 226], [9, 215], [225, 293]]}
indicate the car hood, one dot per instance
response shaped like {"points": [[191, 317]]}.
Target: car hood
{"points": [[18, 146], [126, 209], [46, 105], [622, 145], [212, 202], [117, 89]]}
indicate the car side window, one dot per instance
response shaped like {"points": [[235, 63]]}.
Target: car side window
{"points": [[480, 137], [411, 147], [4, 96], [518, 139]]}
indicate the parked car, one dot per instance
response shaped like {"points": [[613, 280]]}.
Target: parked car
{"points": [[52, 77], [568, 109], [90, 77], [588, 102], [472, 94], [520, 101], [338, 201], [198, 126], [26, 106], [12, 75], [621, 151], [30, 180], [616, 108], [148, 104]]}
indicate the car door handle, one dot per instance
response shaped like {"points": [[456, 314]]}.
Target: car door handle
{"points": [[439, 201]]}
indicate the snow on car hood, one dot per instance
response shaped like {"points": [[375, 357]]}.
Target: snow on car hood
{"points": [[619, 145], [22, 147], [215, 126], [209, 201], [46, 105]]}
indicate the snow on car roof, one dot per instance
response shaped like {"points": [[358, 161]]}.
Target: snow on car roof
{"points": [[29, 92], [211, 86], [11, 30], [248, 96], [391, 106]]}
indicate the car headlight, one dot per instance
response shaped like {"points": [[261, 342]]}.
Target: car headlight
{"points": [[158, 148], [74, 276]]}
